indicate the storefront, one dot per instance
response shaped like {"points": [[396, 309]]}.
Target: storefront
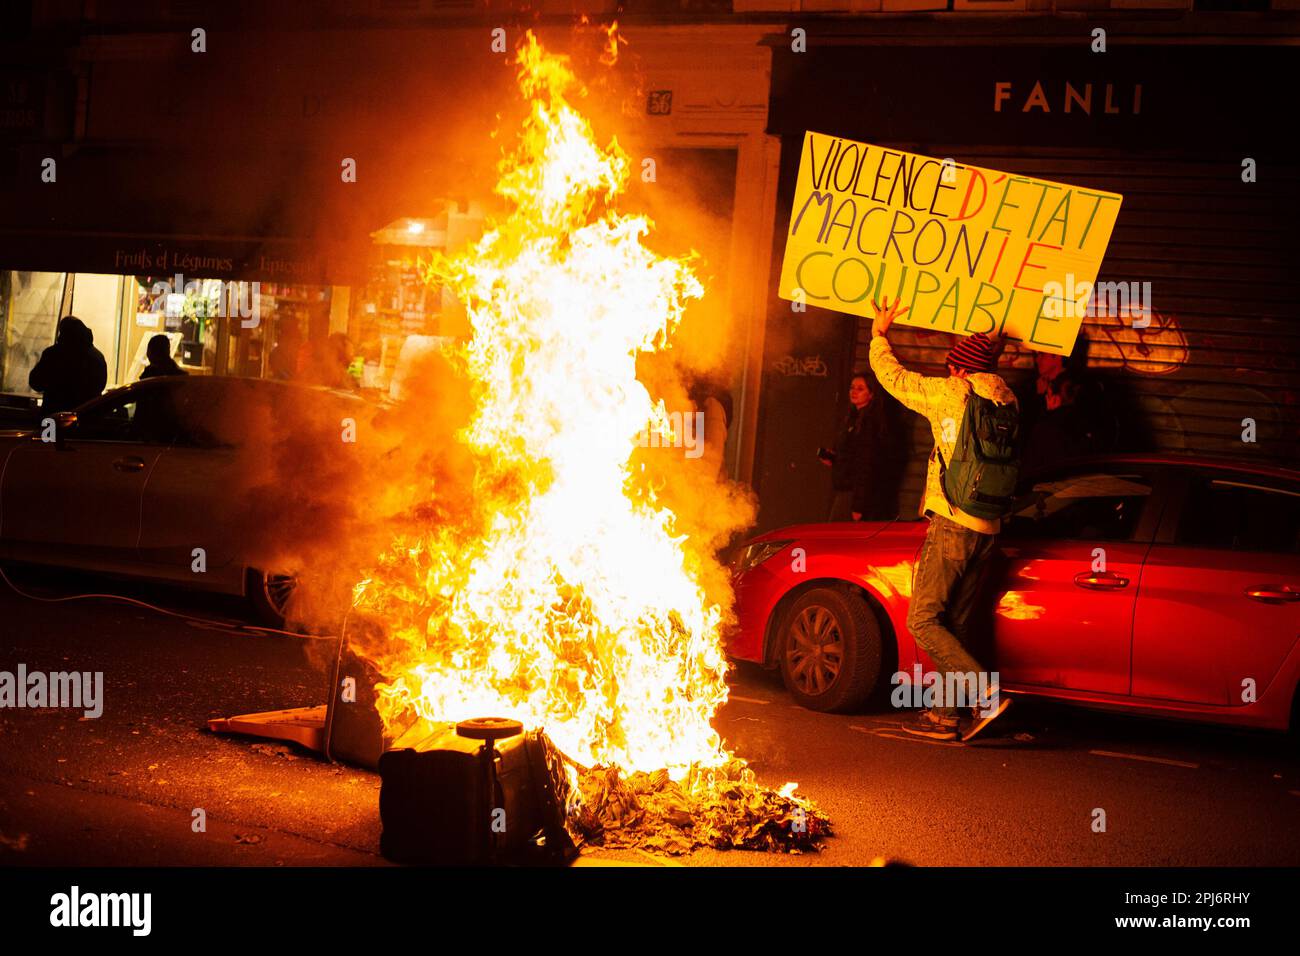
{"points": [[346, 156], [214, 326], [257, 328], [1166, 119], [255, 246]]}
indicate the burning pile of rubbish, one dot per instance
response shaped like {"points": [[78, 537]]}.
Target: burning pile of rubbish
{"points": [[561, 591], [723, 808]]}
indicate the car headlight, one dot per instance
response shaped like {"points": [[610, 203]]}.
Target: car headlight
{"points": [[751, 556]]}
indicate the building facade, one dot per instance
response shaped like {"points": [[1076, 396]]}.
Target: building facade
{"points": [[225, 166]]}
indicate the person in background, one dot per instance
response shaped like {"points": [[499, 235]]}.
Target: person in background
{"points": [[284, 357], [710, 397], [342, 352], [328, 361], [1065, 413], [958, 547], [864, 461], [71, 371], [159, 353]]}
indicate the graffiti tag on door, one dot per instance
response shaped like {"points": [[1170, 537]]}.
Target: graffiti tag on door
{"points": [[801, 365]]}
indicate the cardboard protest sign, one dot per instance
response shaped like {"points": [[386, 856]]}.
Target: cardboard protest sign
{"points": [[968, 249]]}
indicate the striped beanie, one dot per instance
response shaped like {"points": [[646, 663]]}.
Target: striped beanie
{"points": [[975, 353]]}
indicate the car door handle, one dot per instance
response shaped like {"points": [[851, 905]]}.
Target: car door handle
{"points": [[1100, 581], [1273, 595], [129, 463]]}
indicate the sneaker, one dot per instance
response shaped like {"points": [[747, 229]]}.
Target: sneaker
{"points": [[926, 724], [982, 718]]}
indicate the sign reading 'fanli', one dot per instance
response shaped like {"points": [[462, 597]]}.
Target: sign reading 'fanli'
{"points": [[967, 249]]}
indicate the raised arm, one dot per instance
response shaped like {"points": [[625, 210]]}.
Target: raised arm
{"points": [[918, 392]]}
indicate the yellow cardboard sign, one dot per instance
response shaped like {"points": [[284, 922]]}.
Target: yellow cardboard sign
{"points": [[968, 249]]}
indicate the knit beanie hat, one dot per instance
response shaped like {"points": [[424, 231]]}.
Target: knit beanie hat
{"points": [[974, 353]]}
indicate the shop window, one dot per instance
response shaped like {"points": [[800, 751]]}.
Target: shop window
{"points": [[398, 315], [395, 306], [189, 316], [249, 329], [308, 344], [31, 305], [29, 313]]}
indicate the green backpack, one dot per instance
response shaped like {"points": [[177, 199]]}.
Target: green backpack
{"points": [[981, 478]]}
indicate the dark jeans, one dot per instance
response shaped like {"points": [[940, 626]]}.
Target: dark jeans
{"points": [[946, 591]]}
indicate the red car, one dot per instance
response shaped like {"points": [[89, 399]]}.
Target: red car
{"points": [[1160, 585]]}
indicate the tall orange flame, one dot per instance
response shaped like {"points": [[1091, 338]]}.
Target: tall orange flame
{"points": [[570, 601]]}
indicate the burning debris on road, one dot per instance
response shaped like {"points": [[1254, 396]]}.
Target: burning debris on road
{"points": [[723, 808], [485, 791]]}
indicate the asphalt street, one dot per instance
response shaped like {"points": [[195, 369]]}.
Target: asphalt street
{"points": [[123, 788]]}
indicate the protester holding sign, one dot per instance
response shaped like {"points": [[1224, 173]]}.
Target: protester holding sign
{"points": [[964, 506], [990, 256]]}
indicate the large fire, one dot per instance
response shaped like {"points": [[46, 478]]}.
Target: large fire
{"points": [[566, 596]]}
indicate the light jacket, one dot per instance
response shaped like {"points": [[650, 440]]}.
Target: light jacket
{"points": [[942, 400]]}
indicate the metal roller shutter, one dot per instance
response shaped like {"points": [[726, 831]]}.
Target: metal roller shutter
{"points": [[1224, 342]]}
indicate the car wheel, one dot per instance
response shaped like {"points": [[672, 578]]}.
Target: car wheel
{"points": [[830, 650], [269, 593]]}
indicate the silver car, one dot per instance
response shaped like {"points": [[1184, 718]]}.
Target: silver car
{"points": [[154, 481]]}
